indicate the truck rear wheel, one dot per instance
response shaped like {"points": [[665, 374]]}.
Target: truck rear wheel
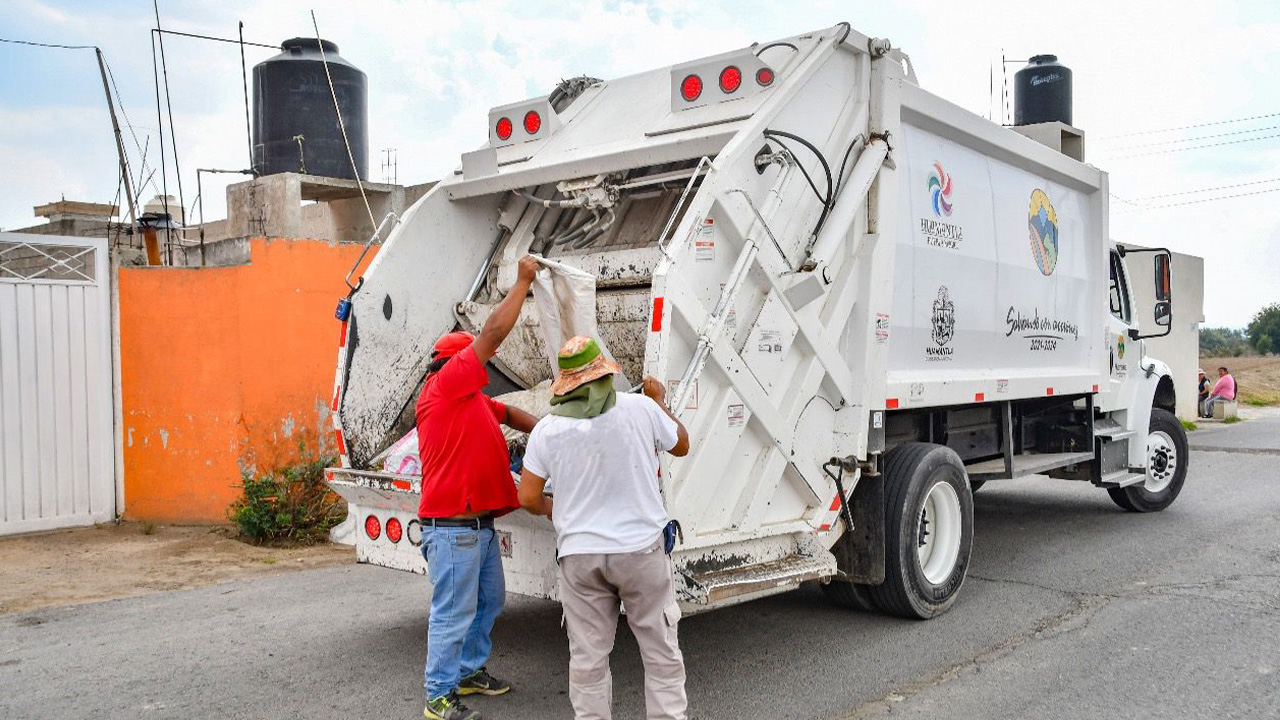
{"points": [[928, 530], [1167, 455]]}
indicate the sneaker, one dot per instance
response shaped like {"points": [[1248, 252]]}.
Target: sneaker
{"points": [[482, 682], [449, 707]]}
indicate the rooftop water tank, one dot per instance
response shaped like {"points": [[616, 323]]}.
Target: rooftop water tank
{"points": [[1042, 92], [295, 128]]}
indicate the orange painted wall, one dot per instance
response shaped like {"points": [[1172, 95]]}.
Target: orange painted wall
{"points": [[225, 368]]}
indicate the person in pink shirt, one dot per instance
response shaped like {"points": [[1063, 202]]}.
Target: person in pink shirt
{"points": [[1224, 389]]}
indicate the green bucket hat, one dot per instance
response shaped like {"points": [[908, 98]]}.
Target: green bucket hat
{"points": [[581, 360]]}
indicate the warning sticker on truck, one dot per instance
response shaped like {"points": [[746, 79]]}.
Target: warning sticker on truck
{"points": [[882, 328], [737, 415], [704, 242]]}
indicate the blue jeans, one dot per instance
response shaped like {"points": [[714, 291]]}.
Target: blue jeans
{"points": [[468, 592]]}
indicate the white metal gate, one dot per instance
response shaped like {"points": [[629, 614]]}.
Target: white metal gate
{"points": [[57, 459]]}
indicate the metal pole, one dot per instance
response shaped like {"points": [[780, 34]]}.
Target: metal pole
{"points": [[115, 125], [244, 75]]}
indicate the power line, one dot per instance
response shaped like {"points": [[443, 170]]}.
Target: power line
{"points": [[1136, 201], [1206, 200], [1189, 127], [1194, 139], [218, 39], [49, 45], [1197, 147]]}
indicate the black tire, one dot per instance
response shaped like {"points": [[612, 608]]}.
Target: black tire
{"points": [[850, 595], [976, 485], [911, 471], [1136, 498]]}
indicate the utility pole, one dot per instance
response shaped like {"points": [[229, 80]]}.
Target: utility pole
{"points": [[115, 124]]}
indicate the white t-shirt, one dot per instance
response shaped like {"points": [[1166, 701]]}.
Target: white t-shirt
{"points": [[605, 472]]}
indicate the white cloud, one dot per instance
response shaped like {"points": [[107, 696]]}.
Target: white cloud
{"points": [[435, 68]]}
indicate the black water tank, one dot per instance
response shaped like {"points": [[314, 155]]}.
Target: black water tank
{"points": [[1042, 92], [291, 99]]}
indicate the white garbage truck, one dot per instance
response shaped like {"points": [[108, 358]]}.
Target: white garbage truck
{"points": [[866, 301]]}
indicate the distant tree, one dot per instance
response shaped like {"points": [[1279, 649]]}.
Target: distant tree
{"points": [[1265, 325], [1222, 342], [1263, 344]]}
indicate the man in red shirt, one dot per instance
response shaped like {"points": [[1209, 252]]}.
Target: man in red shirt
{"points": [[466, 483]]}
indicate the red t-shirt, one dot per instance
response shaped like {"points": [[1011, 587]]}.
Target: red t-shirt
{"points": [[465, 468]]}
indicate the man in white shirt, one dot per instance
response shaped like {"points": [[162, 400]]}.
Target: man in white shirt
{"points": [[600, 450]]}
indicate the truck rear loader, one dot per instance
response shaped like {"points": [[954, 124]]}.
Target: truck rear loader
{"points": [[865, 300]]}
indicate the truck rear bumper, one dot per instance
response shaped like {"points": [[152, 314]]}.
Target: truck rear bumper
{"points": [[528, 543]]}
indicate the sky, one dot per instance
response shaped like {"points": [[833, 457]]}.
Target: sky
{"points": [[1149, 79]]}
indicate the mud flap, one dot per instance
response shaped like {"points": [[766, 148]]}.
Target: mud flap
{"points": [[860, 553]]}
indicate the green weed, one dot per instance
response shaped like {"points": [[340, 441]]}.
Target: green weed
{"points": [[290, 504]]}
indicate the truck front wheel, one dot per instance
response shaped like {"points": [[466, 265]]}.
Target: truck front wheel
{"points": [[928, 530], [1167, 456]]}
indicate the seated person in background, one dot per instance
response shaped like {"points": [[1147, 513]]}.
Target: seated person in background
{"points": [[1224, 389], [1202, 391]]}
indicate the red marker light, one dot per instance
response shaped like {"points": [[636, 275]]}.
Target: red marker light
{"points": [[691, 88], [764, 77], [394, 530], [372, 527], [504, 128], [532, 121], [730, 79]]}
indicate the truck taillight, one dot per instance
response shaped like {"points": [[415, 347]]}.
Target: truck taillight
{"points": [[394, 530], [691, 88], [372, 527], [691, 85], [503, 128], [536, 116], [730, 79], [532, 121]]}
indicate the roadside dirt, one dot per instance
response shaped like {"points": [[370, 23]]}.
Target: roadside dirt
{"points": [[68, 567], [1258, 377]]}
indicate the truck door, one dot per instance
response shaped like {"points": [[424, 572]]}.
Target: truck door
{"points": [[1118, 324]]}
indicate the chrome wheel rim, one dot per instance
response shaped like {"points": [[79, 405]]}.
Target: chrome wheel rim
{"points": [[941, 527], [1162, 461]]}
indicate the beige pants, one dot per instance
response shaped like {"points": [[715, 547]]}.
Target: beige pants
{"points": [[591, 587]]}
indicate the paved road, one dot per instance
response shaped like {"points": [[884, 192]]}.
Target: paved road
{"points": [[1072, 609]]}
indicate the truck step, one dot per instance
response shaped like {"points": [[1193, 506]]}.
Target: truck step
{"points": [[1122, 478], [1029, 464], [369, 489], [713, 587]]}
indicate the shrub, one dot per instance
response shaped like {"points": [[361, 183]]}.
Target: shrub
{"points": [[289, 504]]}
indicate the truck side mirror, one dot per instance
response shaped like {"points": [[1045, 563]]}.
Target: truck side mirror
{"points": [[1163, 313], [1164, 291]]}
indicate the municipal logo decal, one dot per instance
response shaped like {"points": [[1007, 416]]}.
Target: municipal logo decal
{"points": [[940, 190], [1042, 222], [944, 326]]}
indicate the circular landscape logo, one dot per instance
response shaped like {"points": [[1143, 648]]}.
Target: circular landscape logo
{"points": [[940, 189], [1043, 223], [1120, 346]]}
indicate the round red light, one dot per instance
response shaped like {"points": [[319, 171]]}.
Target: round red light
{"points": [[394, 530], [503, 128], [730, 79], [532, 122], [691, 88], [372, 527], [764, 76]]}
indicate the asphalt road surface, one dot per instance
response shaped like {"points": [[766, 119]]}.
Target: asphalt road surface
{"points": [[1072, 609]]}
